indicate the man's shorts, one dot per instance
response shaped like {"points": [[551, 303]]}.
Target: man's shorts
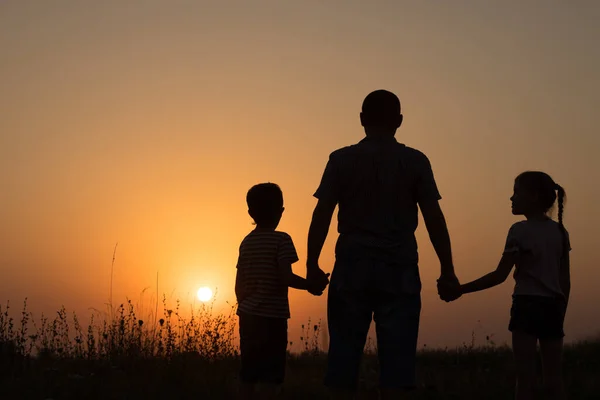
{"points": [[362, 289]]}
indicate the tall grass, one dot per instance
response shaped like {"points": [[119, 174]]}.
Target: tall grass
{"points": [[120, 334]]}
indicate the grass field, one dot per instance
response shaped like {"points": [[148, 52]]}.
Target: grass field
{"points": [[119, 356]]}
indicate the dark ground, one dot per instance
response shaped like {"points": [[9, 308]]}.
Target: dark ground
{"points": [[468, 373]]}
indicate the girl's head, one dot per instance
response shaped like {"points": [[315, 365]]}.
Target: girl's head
{"points": [[536, 192]]}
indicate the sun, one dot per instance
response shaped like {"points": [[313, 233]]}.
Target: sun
{"points": [[205, 294]]}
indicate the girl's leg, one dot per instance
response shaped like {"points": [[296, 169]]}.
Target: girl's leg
{"points": [[552, 369], [524, 350]]}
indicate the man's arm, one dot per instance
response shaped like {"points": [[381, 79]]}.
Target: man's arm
{"points": [[317, 233], [439, 236]]}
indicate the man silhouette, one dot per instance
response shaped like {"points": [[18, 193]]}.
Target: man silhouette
{"points": [[379, 185]]}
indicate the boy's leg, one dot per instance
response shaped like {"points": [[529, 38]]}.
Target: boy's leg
{"points": [[397, 325], [524, 350], [247, 356], [274, 354], [257, 336]]}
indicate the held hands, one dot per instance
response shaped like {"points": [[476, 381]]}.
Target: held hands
{"points": [[449, 288], [317, 281]]}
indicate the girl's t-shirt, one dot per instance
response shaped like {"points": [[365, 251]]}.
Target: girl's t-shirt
{"points": [[539, 245]]}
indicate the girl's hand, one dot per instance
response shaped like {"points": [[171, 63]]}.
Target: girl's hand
{"points": [[449, 290]]}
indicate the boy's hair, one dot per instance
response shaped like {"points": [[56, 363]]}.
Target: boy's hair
{"points": [[547, 190], [265, 201]]}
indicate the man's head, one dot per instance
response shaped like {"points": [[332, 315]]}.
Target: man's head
{"points": [[381, 113]]}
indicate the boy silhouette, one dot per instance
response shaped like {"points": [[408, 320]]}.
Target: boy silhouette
{"points": [[379, 185], [264, 273]]}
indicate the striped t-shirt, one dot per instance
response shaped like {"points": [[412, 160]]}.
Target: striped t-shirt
{"points": [[261, 291]]}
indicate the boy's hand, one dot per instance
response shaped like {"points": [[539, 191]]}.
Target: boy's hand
{"points": [[318, 284], [314, 272]]}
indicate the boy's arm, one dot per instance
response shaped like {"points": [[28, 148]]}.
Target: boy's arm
{"points": [[494, 278], [240, 284], [290, 279], [240, 292]]}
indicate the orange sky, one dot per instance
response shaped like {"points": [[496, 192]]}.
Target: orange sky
{"points": [[145, 123]]}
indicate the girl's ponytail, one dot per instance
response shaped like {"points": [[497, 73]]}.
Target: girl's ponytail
{"points": [[561, 204], [561, 199]]}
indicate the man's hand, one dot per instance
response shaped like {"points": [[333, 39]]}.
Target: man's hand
{"points": [[448, 287], [317, 279]]}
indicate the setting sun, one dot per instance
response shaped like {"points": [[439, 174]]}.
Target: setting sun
{"points": [[204, 294]]}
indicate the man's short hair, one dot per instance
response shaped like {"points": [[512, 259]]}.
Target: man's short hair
{"points": [[381, 105]]}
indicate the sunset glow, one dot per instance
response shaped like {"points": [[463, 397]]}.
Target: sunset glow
{"points": [[205, 294]]}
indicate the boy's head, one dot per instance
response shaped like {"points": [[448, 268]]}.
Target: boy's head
{"points": [[381, 113], [265, 204]]}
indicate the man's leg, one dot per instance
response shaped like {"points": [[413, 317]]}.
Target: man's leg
{"points": [[348, 317], [397, 326]]}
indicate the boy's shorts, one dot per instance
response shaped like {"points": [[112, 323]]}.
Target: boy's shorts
{"points": [[263, 346], [539, 316]]}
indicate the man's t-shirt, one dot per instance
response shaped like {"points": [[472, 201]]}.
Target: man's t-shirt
{"points": [[258, 269], [378, 184]]}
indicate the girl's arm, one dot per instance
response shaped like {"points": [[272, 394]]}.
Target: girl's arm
{"points": [[494, 278], [565, 275]]}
